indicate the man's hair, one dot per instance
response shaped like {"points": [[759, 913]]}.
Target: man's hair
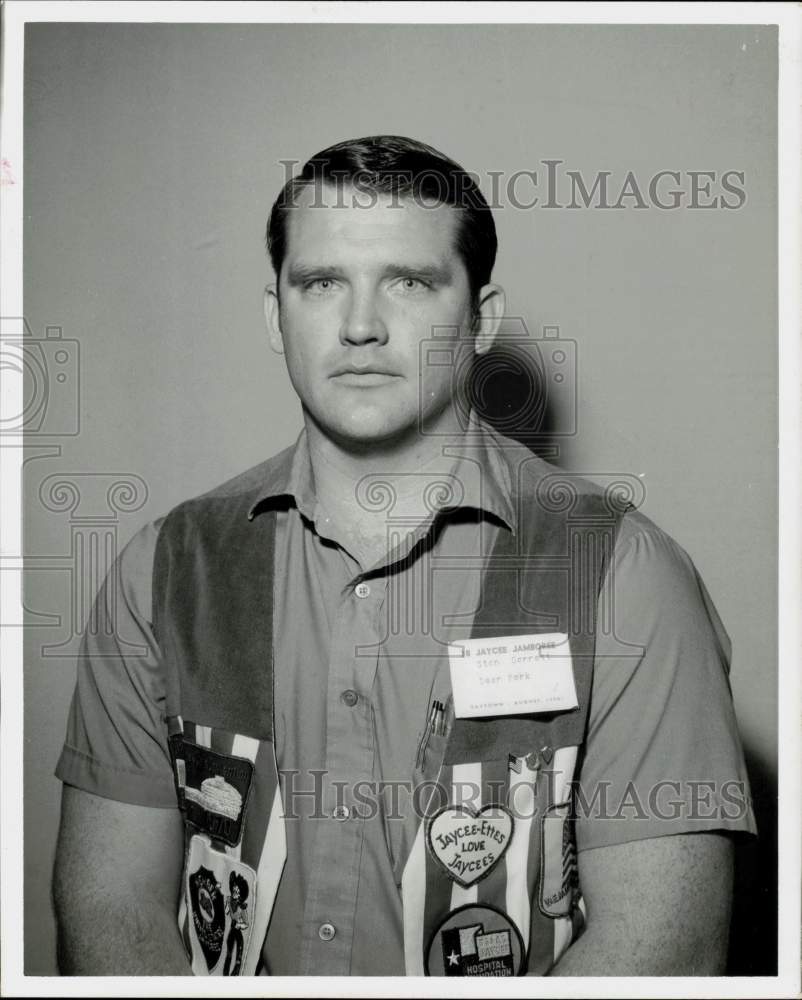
{"points": [[406, 168]]}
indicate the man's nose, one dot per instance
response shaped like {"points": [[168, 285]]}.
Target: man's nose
{"points": [[363, 322]]}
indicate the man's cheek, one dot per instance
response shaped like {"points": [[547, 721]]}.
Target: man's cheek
{"points": [[304, 347]]}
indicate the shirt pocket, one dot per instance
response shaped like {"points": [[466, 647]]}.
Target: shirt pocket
{"points": [[403, 817], [431, 745]]}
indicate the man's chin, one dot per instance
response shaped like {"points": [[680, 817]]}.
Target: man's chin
{"points": [[379, 437], [379, 425], [370, 431]]}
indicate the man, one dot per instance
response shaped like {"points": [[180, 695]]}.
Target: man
{"points": [[375, 682]]}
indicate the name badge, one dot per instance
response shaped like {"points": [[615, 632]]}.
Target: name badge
{"points": [[512, 675]]}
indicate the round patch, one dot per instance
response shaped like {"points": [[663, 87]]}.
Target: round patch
{"points": [[475, 940]]}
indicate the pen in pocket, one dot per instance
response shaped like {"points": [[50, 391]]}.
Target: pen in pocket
{"points": [[435, 726]]}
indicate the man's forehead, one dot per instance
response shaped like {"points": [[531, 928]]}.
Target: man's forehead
{"points": [[325, 213]]}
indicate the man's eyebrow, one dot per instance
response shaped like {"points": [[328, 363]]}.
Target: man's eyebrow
{"points": [[436, 274], [300, 272]]}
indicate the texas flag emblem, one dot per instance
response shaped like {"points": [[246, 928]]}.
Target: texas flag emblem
{"points": [[475, 940]]}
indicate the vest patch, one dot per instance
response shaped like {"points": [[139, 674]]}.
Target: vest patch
{"points": [[468, 844], [475, 940], [220, 894], [214, 790], [559, 875]]}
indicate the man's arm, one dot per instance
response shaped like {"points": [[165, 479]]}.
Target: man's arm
{"points": [[115, 887], [656, 907], [656, 872]]}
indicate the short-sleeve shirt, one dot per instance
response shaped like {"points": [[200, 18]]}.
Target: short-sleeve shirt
{"points": [[359, 657]]}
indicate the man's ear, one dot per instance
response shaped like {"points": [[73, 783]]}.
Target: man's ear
{"points": [[489, 314], [272, 321]]}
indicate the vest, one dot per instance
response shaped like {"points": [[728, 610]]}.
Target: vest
{"points": [[490, 885]]}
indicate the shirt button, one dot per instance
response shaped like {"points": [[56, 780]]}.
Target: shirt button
{"points": [[349, 698], [326, 932], [341, 812], [362, 590]]}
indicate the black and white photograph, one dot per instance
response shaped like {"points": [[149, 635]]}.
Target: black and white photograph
{"points": [[400, 445]]}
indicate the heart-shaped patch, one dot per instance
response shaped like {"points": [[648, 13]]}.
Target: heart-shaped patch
{"points": [[468, 844]]}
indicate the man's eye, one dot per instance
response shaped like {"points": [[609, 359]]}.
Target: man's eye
{"points": [[319, 286], [412, 285]]}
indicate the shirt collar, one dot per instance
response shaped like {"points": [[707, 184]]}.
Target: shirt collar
{"points": [[480, 449]]}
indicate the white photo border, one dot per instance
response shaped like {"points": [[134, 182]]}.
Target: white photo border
{"points": [[788, 18]]}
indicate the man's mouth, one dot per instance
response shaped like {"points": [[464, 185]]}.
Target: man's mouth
{"points": [[364, 377]]}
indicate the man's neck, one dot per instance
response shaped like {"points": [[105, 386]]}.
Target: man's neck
{"points": [[361, 488]]}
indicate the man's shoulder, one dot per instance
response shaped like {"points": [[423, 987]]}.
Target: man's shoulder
{"points": [[535, 480], [268, 477], [639, 530], [540, 479], [230, 502]]}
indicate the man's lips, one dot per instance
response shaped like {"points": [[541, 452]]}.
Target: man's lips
{"points": [[368, 369], [365, 377]]}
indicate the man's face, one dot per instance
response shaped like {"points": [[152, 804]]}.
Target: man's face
{"points": [[360, 288]]}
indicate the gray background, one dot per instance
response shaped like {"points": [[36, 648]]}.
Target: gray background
{"points": [[151, 161]]}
